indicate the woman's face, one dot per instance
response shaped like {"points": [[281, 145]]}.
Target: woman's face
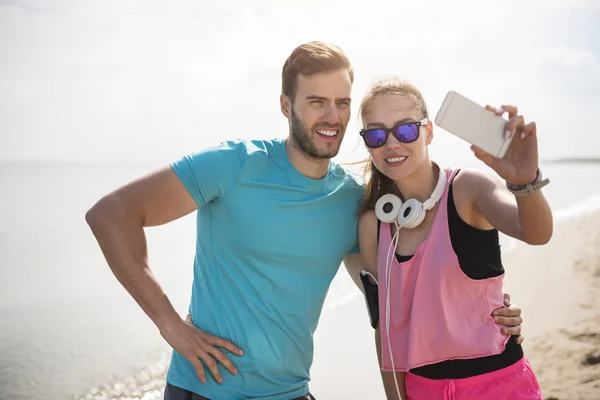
{"points": [[396, 159]]}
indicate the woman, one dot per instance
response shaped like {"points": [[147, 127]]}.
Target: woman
{"points": [[430, 237]]}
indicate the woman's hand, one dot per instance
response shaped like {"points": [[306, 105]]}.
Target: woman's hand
{"points": [[519, 165]]}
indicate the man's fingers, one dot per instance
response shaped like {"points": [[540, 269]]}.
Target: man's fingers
{"points": [[507, 299], [205, 352], [220, 342], [512, 331], [509, 317], [217, 341], [223, 359], [212, 365], [198, 367], [508, 321], [520, 339], [509, 311]]}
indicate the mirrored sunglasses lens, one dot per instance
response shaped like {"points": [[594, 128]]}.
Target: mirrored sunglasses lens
{"points": [[407, 133], [375, 138]]}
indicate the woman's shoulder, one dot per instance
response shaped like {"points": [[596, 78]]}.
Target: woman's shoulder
{"points": [[472, 180]]}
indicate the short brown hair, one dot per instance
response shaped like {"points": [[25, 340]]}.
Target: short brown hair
{"points": [[312, 58]]}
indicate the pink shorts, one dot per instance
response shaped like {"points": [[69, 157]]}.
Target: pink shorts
{"points": [[515, 382]]}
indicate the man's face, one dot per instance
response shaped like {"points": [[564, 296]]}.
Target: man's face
{"points": [[319, 113]]}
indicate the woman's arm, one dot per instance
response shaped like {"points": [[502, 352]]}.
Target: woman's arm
{"points": [[367, 240], [388, 377], [527, 218]]}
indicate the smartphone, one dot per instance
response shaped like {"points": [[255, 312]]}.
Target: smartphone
{"points": [[473, 123]]}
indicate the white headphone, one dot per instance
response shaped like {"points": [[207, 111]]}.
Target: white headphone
{"points": [[389, 208]]}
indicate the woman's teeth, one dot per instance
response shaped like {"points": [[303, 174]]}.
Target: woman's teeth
{"points": [[395, 159]]}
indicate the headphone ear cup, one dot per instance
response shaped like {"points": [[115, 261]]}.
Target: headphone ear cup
{"points": [[387, 207], [411, 214]]}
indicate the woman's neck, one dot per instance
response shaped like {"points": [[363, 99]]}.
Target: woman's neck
{"points": [[421, 184]]}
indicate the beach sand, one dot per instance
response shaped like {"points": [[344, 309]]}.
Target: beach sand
{"points": [[556, 285], [562, 312]]}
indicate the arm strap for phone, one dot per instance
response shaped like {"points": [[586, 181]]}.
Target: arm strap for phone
{"points": [[371, 293]]}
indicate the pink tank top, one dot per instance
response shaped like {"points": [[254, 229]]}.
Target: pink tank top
{"points": [[437, 312]]}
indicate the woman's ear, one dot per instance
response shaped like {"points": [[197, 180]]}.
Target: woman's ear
{"points": [[429, 132]]}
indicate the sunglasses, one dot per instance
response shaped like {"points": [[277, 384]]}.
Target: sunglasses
{"points": [[406, 132]]}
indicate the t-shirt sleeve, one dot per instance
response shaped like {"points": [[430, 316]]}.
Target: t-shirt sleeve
{"points": [[359, 195], [355, 249], [210, 173]]}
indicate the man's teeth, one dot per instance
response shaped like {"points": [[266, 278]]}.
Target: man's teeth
{"points": [[326, 133], [395, 159]]}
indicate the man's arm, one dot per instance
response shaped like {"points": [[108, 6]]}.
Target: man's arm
{"points": [[117, 222]]}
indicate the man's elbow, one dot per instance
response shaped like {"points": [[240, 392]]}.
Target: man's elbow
{"points": [[107, 209], [91, 216]]}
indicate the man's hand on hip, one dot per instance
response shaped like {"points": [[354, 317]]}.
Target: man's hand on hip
{"points": [[195, 345]]}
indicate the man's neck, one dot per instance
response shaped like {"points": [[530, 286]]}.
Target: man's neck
{"points": [[315, 168]]}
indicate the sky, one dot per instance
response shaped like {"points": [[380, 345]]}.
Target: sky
{"points": [[152, 80]]}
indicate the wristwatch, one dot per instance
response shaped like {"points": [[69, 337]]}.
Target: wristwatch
{"points": [[537, 184]]}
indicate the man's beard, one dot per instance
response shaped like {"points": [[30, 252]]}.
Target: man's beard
{"points": [[302, 139]]}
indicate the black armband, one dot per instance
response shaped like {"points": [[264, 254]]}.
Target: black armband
{"points": [[371, 293]]}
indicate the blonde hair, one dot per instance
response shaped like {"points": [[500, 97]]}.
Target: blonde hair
{"points": [[393, 85]]}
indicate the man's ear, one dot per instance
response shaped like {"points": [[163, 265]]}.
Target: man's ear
{"points": [[286, 105], [429, 132]]}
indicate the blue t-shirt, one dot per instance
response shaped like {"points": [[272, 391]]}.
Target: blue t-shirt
{"points": [[269, 242]]}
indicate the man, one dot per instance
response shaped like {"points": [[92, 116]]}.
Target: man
{"points": [[275, 219]]}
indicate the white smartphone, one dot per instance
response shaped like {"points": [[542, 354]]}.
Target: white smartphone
{"points": [[473, 123]]}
